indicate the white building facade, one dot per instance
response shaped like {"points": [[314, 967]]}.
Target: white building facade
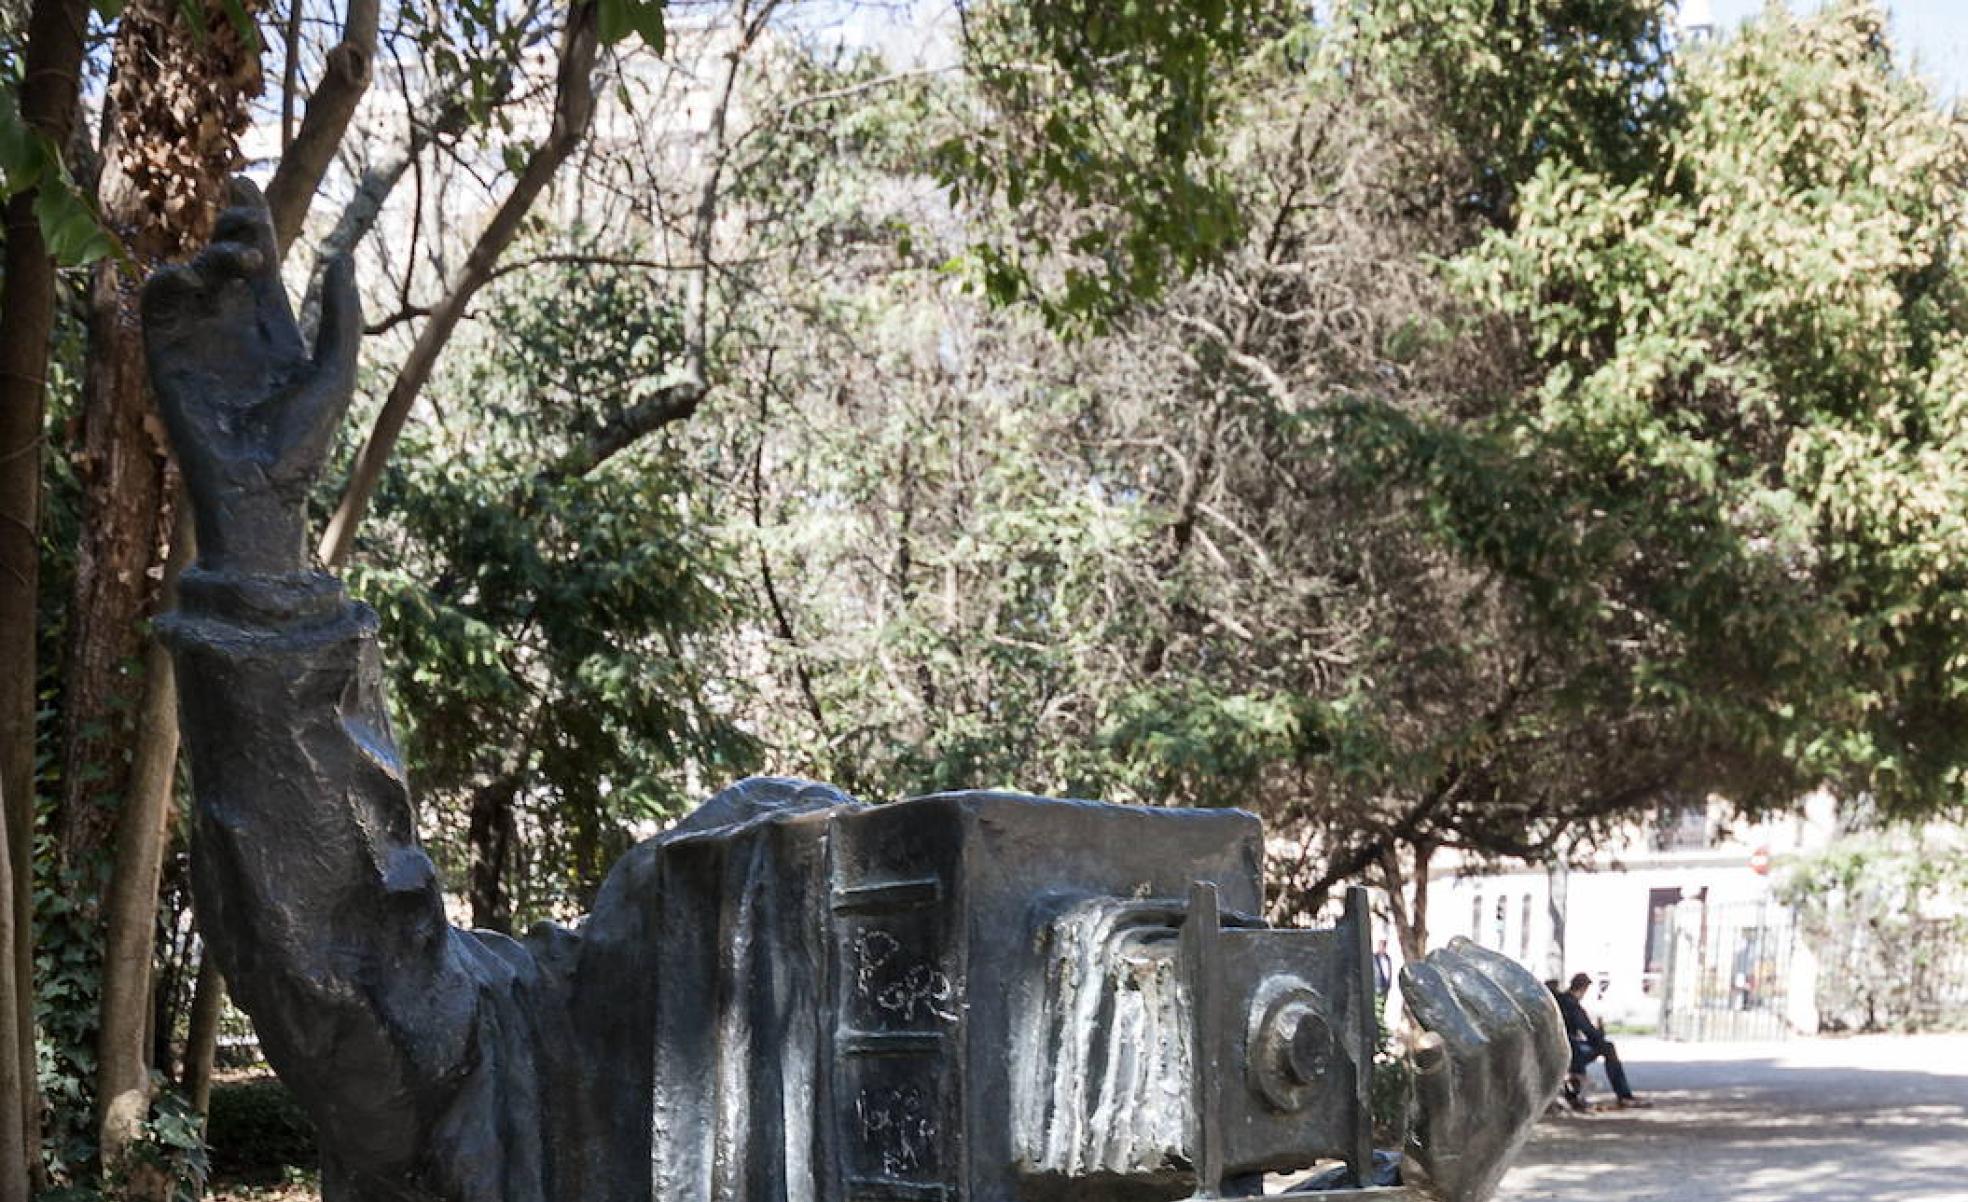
{"points": [[1686, 902]]}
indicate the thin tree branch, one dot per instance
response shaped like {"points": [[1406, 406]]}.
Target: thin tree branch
{"points": [[344, 79], [573, 108], [448, 114], [290, 75], [672, 403], [407, 313], [782, 621]]}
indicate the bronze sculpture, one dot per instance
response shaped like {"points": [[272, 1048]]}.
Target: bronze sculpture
{"points": [[790, 996]]}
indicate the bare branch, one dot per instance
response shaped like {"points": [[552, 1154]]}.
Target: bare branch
{"points": [[573, 108], [343, 82], [672, 403], [406, 313], [290, 74], [447, 112]]}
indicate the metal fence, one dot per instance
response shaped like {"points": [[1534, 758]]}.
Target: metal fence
{"points": [[1729, 970], [1914, 977], [1940, 974]]}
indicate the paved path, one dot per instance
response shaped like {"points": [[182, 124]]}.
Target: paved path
{"points": [[1870, 1119]]}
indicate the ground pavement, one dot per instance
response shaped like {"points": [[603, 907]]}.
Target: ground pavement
{"points": [[1866, 1119]]}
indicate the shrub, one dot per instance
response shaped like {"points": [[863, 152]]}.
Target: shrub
{"points": [[257, 1131]]}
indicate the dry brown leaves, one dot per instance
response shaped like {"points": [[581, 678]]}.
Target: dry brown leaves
{"points": [[179, 94]]}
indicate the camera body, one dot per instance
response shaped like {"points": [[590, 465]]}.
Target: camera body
{"points": [[989, 997]]}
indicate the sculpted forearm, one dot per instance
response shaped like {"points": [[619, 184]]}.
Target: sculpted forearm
{"points": [[311, 890]]}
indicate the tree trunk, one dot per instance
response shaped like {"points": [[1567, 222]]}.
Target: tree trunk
{"points": [[573, 107], [1424, 853], [122, 1049], [50, 86], [13, 1090], [1393, 882], [1558, 879], [122, 467], [1407, 894], [175, 105], [202, 1034], [491, 839]]}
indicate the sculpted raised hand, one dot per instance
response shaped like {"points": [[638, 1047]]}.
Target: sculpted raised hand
{"points": [[251, 413], [1490, 1060]]}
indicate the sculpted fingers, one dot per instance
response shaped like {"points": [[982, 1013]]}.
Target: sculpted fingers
{"points": [[171, 299], [244, 238], [1492, 1011], [315, 411], [177, 294], [1480, 1073], [1535, 1002], [339, 339], [1530, 994], [167, 290], [1434, 1083], [170, 296], [246, 221], [1432, 1001], [228, 260]]}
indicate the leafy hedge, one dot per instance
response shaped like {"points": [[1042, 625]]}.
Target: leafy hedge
{"points": [[257, 1131]]}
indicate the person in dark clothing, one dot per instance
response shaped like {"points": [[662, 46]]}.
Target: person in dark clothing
{"points": [[1589, 1043]]}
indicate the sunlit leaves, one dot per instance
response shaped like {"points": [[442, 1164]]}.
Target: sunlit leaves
{"points": [[28, 162], [619, 19], [1753, 360], [1085, 103], [1877, 908], [1516, 83], [559, 627]]}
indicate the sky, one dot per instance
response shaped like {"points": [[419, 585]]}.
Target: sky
{"points": [[1931, 34]]}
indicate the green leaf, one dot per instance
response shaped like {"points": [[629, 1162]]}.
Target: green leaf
{"points": [[28, 162], [23, 155], [618, 19], [73, 233]]}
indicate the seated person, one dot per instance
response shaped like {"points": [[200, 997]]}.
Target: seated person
{"points": [[1589, 1043]]}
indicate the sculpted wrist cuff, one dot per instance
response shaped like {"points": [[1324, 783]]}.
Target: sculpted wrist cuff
{"points": [[284, 599]]}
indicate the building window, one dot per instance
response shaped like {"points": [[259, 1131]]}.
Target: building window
{"points": [[1501, 941], [1524, 933], [1476, 918], [1681, 826]]}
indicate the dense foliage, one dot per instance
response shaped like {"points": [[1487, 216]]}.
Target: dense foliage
{"points": [[1477, 483], [1746, 430], [551, 622], [1878, 912]]}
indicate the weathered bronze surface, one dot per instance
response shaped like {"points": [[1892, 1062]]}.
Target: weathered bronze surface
{"points": [[790, 997]]}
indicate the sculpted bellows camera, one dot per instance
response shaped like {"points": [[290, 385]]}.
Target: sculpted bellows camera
{"points": [[1018, 997]]}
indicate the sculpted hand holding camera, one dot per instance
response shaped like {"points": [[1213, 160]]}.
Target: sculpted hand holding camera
{"points": [[1490, 1061], [668, 1047]]}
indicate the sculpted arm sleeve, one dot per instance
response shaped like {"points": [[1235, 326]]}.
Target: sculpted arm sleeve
{"points": [[310, 887], [415, 1046]]}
